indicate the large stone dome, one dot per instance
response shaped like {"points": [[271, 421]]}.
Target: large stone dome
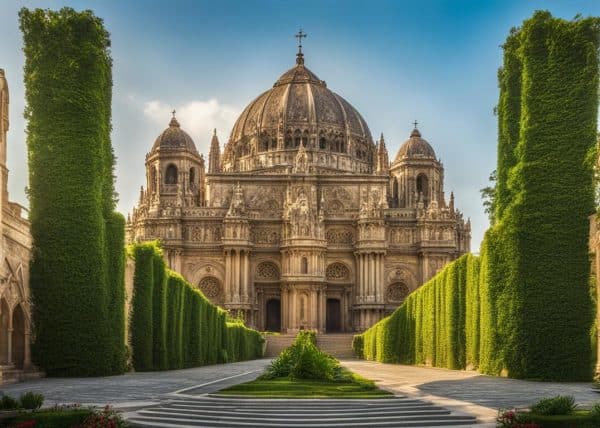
{"points": [[299, 110]]}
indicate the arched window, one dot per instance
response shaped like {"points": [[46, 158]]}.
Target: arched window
{"points": [[322, 143], [423, 185], [152, 179], [304, 265], [171, 175], [192, 176]]}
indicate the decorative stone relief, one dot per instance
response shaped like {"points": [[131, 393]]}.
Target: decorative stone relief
{"points": [[210, 286], [397, 292], [340, 235], [267, 271], [337, 272], [265, 235]]}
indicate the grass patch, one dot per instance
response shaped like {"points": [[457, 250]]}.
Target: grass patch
{"points": [[304, 388]]}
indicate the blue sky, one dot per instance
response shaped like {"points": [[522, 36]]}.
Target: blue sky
{"points": [[395, 61]]}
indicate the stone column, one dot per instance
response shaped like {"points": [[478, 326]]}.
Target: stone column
{"points": [[245, 282], [27, 356], [228, 291], [9, 343]]}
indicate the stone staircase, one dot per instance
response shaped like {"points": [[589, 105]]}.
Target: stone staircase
{"points": [[212, 411], [338, 344], [277, 343]]}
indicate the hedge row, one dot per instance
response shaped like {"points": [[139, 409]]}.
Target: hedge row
{"points": [[76, 273], [174, 326], [523, 308], [437, 325]]}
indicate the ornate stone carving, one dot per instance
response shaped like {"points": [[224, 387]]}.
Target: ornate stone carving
{"points": [[338, 235], [397, 292], [265, 235], [210, 286], [237, 206], [337, 272], [267, 271]]}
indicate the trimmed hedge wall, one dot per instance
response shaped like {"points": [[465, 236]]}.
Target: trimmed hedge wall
{"points": [[174, 326], [435, 325], [522, 309], [76, 272]]}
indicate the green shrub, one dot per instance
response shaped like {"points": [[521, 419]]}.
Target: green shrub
{"points": [[303, 360], [559, 405], [358, 343], [31, 401], [9, 403]]}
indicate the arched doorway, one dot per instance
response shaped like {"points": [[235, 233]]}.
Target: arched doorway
{"points": [[4, 322], [273, 315], [334, 315], [18, 337]]}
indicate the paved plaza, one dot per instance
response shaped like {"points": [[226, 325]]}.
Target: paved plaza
{"points": [[461, 392]]}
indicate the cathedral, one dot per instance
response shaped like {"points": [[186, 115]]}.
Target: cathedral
{"points": [[301, 222]]}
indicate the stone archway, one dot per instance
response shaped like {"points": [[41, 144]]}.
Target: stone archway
{"points": [[18, 337], [273, 315], [4, 326]]}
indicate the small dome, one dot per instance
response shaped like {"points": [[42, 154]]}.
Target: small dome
{"points": [[174, 138], [415, 147]]}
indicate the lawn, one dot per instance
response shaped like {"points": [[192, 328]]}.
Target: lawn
{"points": [[303, 388]]}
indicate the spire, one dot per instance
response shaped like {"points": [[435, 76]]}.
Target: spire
{"points": [[451, 202], [300, 56], [214, 155], [383, 161]]}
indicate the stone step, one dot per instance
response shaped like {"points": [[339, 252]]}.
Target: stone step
{"points": [[208, 411], [142, 421]]}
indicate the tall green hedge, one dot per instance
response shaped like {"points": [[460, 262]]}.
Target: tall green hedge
{"points": [[432, 326], [174, 326], [522, 309], [75, 271], [545, 234]]}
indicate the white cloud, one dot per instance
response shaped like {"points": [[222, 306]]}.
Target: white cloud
{"points": [[197, 118]]}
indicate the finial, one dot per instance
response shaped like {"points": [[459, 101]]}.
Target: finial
{"points": [[415, 132], [173, 121], [215, 132], [300, 56]]}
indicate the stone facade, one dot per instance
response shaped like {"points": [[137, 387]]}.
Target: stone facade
{"points": [[15, 253], [301, 222]]}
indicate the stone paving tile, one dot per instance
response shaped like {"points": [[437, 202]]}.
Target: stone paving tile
{"points": [[467, 391], [488, 391], [135, 387]]}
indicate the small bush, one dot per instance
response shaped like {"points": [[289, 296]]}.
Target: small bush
{"points": [[31, 400], [595, 410], [8, 403], [559, 405], [303, 360]]}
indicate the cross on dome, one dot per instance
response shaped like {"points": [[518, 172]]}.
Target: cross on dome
{"points": [[300, 56]]}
